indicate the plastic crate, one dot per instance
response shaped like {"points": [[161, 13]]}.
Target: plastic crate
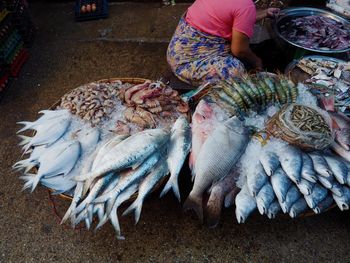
{"points": [[100, 12]]}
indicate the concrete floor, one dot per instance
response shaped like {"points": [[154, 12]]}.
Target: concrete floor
{"points": [[66, 54]]}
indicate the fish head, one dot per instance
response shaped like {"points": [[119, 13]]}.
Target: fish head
{"points": [[236, 125]]}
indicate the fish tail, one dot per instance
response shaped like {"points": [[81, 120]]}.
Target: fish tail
{"points": [[25, 140], [28, 181], [172, 184], [115, 223], [194, 203], [87, 223], [20, 164], [27, 125], [67, 215], [214, 209], [137, 207]]}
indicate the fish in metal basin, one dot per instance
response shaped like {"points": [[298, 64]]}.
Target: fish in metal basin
{"points": [[179, 147], [280, 184], [245, 204], [146, 186], [218, 155], [204, 120], [131, 152], [217, 195], [291, 162], [58, 160]]}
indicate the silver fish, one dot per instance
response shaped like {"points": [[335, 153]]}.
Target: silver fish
{"points": [[298, 208], [291, 162], [129, 153], [327, 182], [324, 204], [230, 197], [280, 184], [273, 209], [320, 165], [343, 202], [217, 195], [264, 198], [341, 151], [245, 204], [292, 196], [48, 134], [47, 116], [317, 195], [145, 188], [218, 155], [32, 161], [58, 160], [307, 170], [269, 161], [338, 168], [256, 179], [305, 186], [88, 138], [127, 180], [179, 147]]}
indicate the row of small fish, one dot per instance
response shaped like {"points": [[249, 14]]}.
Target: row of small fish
{"points": [[53, 155], [126, 165], [279, 177], [238, 96]]}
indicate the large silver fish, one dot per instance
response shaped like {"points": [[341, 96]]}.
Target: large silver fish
{"points": [[307, 170], [245, 204], [269, 161], [317, 195], [218, 155], [338, 168], [343, 202], [320, 165], [264, 198], [291, 162], [131, 152], [256, 178], [179, 147], [146, 186]]}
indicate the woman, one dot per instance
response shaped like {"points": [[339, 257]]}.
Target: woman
{"points": [[212, 39]]}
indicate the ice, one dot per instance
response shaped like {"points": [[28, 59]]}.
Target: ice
{"points": [[305, 97]]}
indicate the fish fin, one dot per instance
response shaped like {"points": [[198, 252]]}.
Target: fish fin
{"points": [[27, 125], [137, 207], [214, 208], [87, 223], [25, 140], [115, 223], [28, 181], [194, 203], [102, 222], [67, 215], [171, 184]]}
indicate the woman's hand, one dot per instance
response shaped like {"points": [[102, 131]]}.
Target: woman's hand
{"points": [[272, 12]]}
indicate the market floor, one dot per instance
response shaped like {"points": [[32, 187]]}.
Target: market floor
{"points": [[131, 43]]}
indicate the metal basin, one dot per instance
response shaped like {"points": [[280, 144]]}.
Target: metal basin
{"points": [[287, 15]]}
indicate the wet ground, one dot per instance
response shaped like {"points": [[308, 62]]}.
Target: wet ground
{"points": [[132, 42]]}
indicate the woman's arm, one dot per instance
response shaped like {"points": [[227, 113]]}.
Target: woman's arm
{"points": [[269, 12], [240, 49]]}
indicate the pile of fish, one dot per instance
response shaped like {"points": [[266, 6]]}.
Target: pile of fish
{"points": [[73, 150], [267, 173], [328, 78], [238, 96], [317, 32], [279, 177]]}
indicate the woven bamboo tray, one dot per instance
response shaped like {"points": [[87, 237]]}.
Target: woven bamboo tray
{"points": [[111, 80]]}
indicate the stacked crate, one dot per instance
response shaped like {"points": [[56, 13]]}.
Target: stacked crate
{"points": [[16, 33]]}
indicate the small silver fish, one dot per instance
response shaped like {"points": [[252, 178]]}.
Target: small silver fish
{"points": [[343, 202], [179, 147], [320, 165], [307, 170], [256, 179], [280, 184], [146, 186], [245, 204], [298, 208], [324, 204], [269, 161], [291, 162], [317, 195], [338, 168], [305, 186], [292, 196], [264, 198], [327, 182], [274, 209]]}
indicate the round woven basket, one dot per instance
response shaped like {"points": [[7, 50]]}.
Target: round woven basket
{"points": [[111, 80]]}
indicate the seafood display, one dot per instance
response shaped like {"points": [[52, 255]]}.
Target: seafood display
{"points": [[77, 149], [328, 77], [317, 32], [286, 158]]}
